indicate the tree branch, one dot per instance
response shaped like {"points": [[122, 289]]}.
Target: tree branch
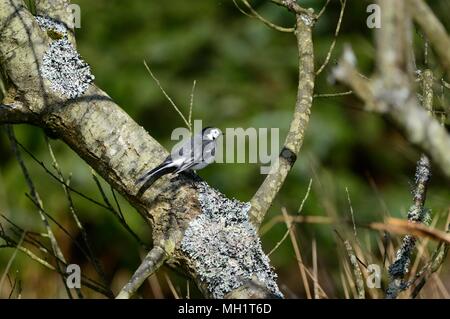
{"points": [[433, 29], [263, 198], [416, 214], [402, 107], [293, 6], [154, 259], [254, 14]]}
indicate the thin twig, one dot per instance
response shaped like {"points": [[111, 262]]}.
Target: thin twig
{"points": [[298, 255], [155, 287], [11, 243], [90, 255], [354, 260], [36, 198], [61, 227], [352, 214], [188, 290], [117, 214], [16, 281], [437, 259], [445, 84], [362, 263], [356, 270], [166, 95], [315, 272], [344, 285], [324, 8], [86, 254], [41, 164], [433, 29], [422, 248], [191, 105], [300, 209], [10, 261], [89, 283], [333, 44], [350, 278], [326, 95], [119, 209], [171, 287], [303, 219], [256, 15]]}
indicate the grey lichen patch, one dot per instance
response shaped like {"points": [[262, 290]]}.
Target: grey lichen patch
{"points": [[224, 245], [51, 25], [67, 72], [400, 266]]}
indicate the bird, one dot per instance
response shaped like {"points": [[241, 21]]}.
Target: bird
{"points": [[196, 153]]}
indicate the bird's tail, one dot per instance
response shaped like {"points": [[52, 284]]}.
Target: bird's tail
{"points": [[152, 176]]}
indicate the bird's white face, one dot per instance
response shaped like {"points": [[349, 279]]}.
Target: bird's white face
{"points": [[212, 134]]}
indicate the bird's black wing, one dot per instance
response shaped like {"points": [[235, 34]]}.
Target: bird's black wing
{"points": [[153, 175]]}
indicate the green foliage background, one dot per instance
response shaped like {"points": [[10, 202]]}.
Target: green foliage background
{"points": [[246, 76]]}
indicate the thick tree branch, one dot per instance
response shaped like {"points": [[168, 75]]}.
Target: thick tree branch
{"points": [[263, 198]]}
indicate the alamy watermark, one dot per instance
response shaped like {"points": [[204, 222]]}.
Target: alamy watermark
{"points": [[373, 276], [73, 279], [237, 145], [374, 19], [74, 11]]}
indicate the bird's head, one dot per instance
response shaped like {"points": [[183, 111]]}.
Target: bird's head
{"points": [[211, 133]]}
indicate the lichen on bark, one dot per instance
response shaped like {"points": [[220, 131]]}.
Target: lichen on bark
{"points": [[61, 64], [224, 245]]}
